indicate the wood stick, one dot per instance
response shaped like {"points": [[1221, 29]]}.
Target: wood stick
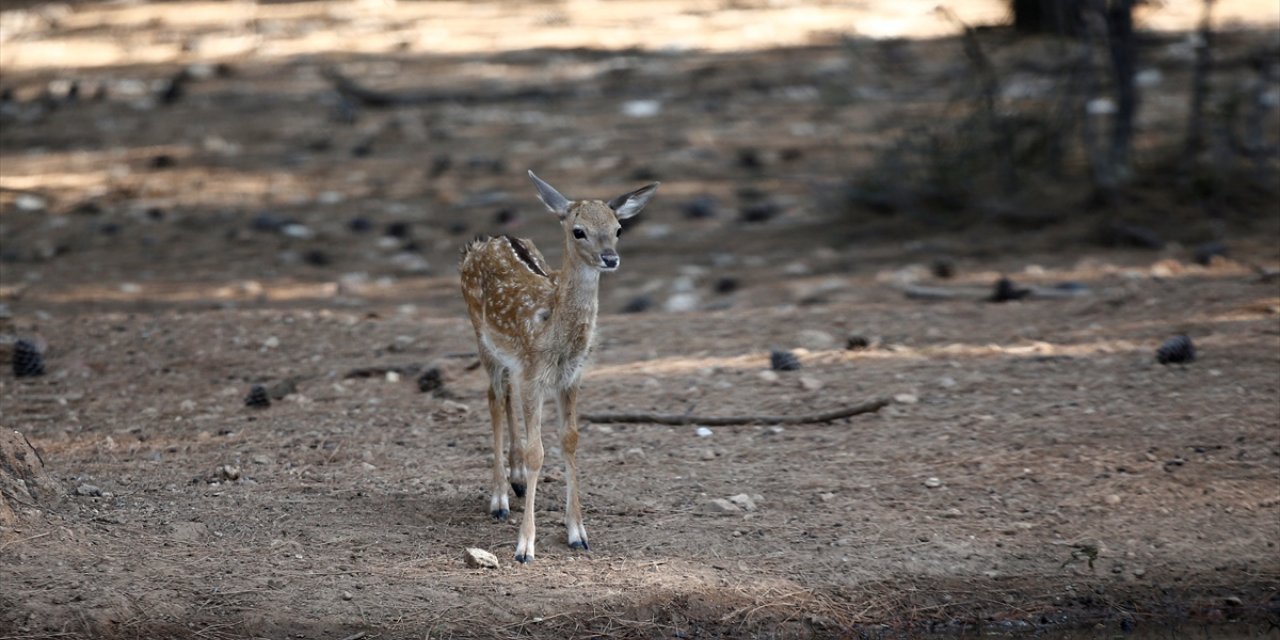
{"points": [[868, 406]]}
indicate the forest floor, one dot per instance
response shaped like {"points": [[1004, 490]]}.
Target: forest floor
{"points": [[1036, 471]]}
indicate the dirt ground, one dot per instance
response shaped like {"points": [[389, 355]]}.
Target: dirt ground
{"points": [[1036, 473]]}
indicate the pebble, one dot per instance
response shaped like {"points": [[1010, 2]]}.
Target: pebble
{"points": [[347, 595], [88, 490], [260, 459], [719, 506], [769, 376], [906, 398], [932, 482], [810, 383], [481, 559], [744, 501], [947, 382], [780, 360], [1112, 499], [682, 302], [229, 472], [815, 339], [703, 432]]}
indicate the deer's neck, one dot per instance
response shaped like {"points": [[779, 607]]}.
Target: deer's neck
{"points": [[577, 300]]}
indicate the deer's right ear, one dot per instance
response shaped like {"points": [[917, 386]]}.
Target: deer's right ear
{"points": [[557, 203]]}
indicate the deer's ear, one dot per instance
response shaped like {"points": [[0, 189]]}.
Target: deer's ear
{"points": [[629, 204], [557, 203]]}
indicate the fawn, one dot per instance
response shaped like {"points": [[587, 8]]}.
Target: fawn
{"points": [[535, 327]]}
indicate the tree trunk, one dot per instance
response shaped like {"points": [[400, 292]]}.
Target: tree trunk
{"points": [[1059, 17], [25, 485]]}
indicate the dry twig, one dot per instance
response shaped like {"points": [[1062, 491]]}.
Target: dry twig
{"points": [[868, 406]]}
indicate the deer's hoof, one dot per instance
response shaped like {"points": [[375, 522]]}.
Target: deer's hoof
{"points": [[500, 514], [518, 487], [524, 558], [579, 545]]}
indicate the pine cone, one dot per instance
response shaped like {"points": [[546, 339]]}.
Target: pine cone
{"points": [[27, 360], [1176, 350], [1006, 291], [430, 380], [783, 361], [258, 397]]}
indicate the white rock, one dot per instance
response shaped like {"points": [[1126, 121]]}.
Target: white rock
{"points": [[481, 559], [743, 501], [682, 302], [271, 343], [815, 339], [641, 108], [810, 383], [30, 202], [719, 507], [947, 382], [906, 398], [703, 432], [932, 482], [769, 375], [393, 376], [296, 230]]}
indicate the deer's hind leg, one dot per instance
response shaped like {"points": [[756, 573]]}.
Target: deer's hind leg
{"points": [[515, 452], [499, 410]]}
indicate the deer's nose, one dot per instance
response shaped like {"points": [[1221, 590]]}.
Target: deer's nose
{"points": [[610, 259]]}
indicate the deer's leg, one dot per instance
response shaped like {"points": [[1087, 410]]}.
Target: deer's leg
{"points": [[531, 395], [515, 455], [498, 505], [568, 405]]}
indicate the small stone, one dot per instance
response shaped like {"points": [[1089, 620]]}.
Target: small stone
{"points": [[229, 472], [260, 459], [393, 376], [815, 340], [769, 376], [857, 343], [743, 501], [347, 595], [826, 496], [638, 304], [187, 405], [1006, 290], [368, 467], [947, 382], [932, 482], [455, 407], [810, 383], [703, 432], [783, 360], [906, 398], [700, 208], [719, 507], [1205, 253], [952, 513], [430, 380], [707, 454], [88, 490], [775, 430], [1112, 499], [481, 559], [271, 342], [27, 360], [682, 302]]}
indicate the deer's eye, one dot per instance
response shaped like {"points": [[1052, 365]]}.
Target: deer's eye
{"points": [[579, 233]]}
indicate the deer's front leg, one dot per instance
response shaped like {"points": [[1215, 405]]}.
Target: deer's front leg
{"points": [[568, 405], [532, 397]]}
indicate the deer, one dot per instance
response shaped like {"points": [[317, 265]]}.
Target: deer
{"points": [[535, 328]]}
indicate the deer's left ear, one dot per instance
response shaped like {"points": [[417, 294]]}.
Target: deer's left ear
{"points": [[629, 204]]}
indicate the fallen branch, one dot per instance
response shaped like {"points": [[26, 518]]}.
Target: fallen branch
{"points": [[869, 406], [375, 99], [921, 292]]}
